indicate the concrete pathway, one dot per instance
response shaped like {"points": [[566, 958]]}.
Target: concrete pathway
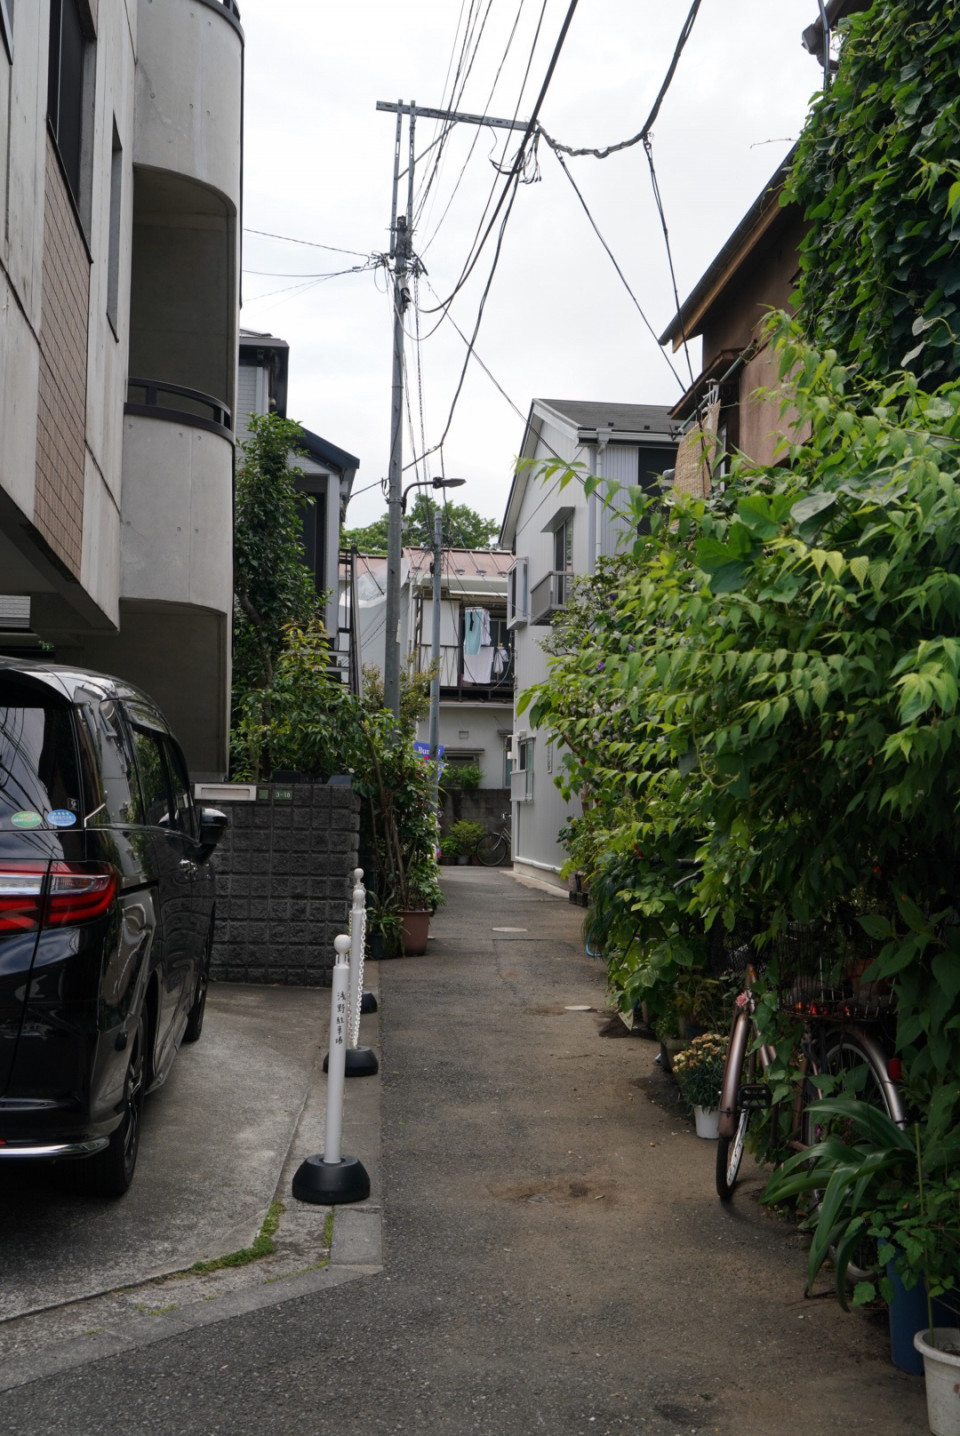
{"points": [[553, 1255]]}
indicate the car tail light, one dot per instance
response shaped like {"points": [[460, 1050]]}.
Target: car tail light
{"points": [[54, 895], [79, 892], [21, 897]]}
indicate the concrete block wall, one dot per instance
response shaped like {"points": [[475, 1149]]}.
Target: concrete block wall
{"points": [[284, 881], [475, 805]]}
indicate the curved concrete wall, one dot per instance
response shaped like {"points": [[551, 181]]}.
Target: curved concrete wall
{"points": [[189, 93], [177, 514]]}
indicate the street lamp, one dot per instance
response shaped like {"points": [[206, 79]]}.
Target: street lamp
{"points": [[391, 656], [429, 483]]}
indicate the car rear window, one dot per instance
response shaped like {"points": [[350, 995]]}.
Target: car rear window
{"points": [[39, 775]]}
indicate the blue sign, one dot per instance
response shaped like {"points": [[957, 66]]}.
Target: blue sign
{"points": [[424, 750], [61, 818]]}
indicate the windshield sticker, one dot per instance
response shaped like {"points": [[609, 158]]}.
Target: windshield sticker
{"points": [[26, 818], [61, 818]]}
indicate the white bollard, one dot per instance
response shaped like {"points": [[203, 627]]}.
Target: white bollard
{"points": [[361, 1061], [358, 934], [331, 1177], [337, 1059]]}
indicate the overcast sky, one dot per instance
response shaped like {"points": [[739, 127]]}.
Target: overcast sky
{"points": [[558, 322]]}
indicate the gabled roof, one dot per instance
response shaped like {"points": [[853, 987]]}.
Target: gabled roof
{"points": [[629, 422], [760, 218], [328, 454], [585, 422]]}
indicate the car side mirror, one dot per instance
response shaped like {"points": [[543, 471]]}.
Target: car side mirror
{"points": [[213, 825]]}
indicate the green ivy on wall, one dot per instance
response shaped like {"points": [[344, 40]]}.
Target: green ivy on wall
{"points": [[876, 174]]}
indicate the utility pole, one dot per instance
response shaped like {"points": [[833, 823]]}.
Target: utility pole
{"points": [[404, 263], [435, 655]]}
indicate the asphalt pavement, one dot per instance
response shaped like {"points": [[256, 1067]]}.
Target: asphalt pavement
{"points": [[542, 1249]]}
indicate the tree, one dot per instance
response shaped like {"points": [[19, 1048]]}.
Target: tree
{"points": [[462, 527], [273, 587], [878, 178]]}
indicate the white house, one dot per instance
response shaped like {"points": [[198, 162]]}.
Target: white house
{"points": [[555, 533], [120, 174]]}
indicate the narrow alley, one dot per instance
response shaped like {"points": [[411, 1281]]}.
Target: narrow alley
{"points": [[554, 1256]]}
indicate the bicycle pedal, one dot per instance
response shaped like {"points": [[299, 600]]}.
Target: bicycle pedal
{"points": [[753, 1095]]}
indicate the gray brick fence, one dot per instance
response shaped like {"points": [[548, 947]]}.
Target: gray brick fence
{"points": [[284, 879]]}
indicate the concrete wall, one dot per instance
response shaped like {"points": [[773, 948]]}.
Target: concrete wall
{"points": [[177, 505], [474, 805], [189, 91], [284, 881]]}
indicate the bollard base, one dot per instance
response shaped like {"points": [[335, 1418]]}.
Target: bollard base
{"points": [[329, 1184], [368, 1003], [360, 1062]]}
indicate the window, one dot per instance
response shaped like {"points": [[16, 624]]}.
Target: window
{"points": [[184, 813], [563, 547], [113, 256], [65, 89], [521, 778], [517, 599], [39, 774], [154, 808], [6, 25]]}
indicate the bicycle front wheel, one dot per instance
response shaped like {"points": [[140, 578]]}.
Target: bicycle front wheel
{"points": [[492, 849], [741, 1068]]}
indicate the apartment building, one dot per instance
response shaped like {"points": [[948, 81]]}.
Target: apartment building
{"points": [[120, 174]]}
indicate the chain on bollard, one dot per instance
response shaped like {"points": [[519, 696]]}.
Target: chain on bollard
{"points": [[331, 1178], [360, 1061]]}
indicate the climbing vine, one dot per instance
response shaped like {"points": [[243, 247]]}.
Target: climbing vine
{"points": [[877, 175]]}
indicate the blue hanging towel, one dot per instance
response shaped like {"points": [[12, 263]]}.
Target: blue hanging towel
{"points": [[473, 629]]}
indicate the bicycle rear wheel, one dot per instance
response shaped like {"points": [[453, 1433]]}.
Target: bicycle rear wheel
{"points": [[740, 1068], [492, 849], [858, 1060]]}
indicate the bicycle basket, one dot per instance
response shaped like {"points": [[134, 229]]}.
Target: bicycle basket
{"points": [[729, 952], [818, 975]]}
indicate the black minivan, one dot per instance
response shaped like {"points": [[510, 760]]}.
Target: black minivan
{"points": [[106, 916]]}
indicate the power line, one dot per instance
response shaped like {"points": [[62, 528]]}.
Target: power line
{"points": [[476, 136], [648, 149], [651, 118], [509, 189], [311, 243], [311, 282], [616, 266]]}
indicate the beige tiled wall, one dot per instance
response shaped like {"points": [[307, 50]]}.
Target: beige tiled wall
{"points": [[58, 513]]}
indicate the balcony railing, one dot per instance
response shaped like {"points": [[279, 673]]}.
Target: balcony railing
{"points": [[485, 677], [230, 6], [178, 405], [549, 595]]}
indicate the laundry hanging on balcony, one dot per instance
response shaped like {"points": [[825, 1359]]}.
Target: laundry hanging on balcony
{"points": [[478, 667], [476, 630]]}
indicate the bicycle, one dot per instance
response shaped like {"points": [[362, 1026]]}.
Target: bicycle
{"points": [[841, 1034], [495, 848]]}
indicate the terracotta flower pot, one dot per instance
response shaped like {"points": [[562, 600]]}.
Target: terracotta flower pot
{"points": [[416, 926]]}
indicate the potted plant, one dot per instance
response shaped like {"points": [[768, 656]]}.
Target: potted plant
{"points": [[465, 776], [383, 929], [449, 849], [699, 1072], [466, 835], [899, 1188]]}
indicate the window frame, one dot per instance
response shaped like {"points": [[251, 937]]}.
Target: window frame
{"points": [[76, 168], [6, 26], [517, 578]]}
